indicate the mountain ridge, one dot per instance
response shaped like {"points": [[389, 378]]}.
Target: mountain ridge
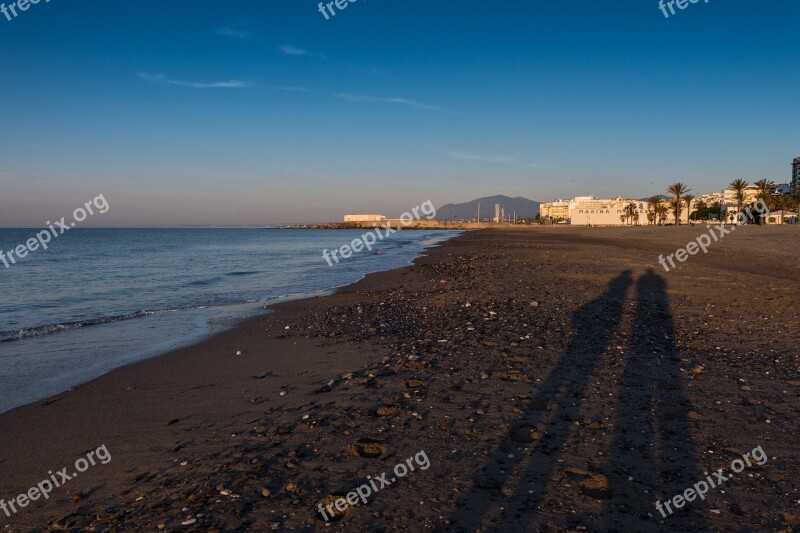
{"points": [[523, 207]]}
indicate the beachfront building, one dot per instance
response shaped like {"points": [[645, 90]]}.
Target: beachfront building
{"points": [[730, 204], [750, 196], [554, 211], [592, 211], [781, 217], [711, 199], [364, 218], [796, 173]]}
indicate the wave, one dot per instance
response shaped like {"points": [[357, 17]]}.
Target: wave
{"points": [[217, 279], [50, 329]]}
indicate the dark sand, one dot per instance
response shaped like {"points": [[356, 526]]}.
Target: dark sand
{"points": [[618, 386]]}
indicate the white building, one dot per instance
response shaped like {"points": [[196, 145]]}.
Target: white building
{"points": [[591, 211], [781, 217], [750, 195], [712, 198], [364, 218]]}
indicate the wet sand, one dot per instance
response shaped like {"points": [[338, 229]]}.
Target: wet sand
{"points": [[558, 379]]}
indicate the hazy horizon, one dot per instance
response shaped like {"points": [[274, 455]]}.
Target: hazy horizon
{"points": [[258, 113]]}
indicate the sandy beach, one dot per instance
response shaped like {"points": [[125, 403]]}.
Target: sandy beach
{"points": [[558, 379]]}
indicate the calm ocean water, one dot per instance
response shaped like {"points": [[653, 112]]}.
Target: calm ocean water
{"points": [[102, 298]]}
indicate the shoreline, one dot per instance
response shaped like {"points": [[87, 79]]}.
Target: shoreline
{"points": [[255, 310], [67, 410], [191, 428]]}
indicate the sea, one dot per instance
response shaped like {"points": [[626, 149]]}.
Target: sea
{"points": [[98, 299]]}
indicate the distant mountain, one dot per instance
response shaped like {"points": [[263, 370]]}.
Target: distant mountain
{"points": [[524, 208]]}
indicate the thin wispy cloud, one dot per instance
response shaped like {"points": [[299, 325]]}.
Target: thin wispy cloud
{"points": [[233, 31], [293, 88], [160, 78], [398, 101], [468, 156], [291, 50]]}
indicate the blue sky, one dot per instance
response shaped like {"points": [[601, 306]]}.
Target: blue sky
{"points": [[253, 112]]}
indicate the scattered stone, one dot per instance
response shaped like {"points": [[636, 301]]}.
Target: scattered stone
{"points": [[368, 450], [596, 486], [577, 473], [734, 452], [511, 375], [331, 501], [489, 483], [525, 432], [387, 410]]}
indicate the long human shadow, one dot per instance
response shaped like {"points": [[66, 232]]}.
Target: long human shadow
{"points": [[652, 438], [559, 399]]}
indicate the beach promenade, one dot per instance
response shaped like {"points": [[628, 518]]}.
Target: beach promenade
{"points": [[557, 379]]}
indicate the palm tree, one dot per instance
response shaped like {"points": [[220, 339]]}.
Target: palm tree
{"points": [[630, 211], [765, 188], [678, 190], [653, 204], [738, 186], [701, 210], [689, 198], [662, 211], [780, 203]]}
